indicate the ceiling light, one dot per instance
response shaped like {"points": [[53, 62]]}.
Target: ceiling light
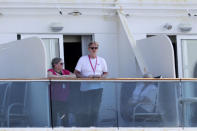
{"points": [[75, 13], [185, 27], [56, 26], [167, 26]]}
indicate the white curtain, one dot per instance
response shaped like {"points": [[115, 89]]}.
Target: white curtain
{"points": [[52, 49], [189, 58]]}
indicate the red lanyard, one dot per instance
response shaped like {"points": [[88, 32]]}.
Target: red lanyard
{"points": [[94, 69]]}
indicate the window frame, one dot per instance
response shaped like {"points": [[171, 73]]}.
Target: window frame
{"points": [[180, 53]]}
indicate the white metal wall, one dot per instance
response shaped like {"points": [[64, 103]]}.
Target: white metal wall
{"points": [[143, 18], [5, 38]]}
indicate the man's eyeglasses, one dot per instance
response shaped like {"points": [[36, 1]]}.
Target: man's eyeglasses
{"points": [[93, 48]]}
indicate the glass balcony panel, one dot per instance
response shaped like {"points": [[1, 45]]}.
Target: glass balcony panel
{"points": [[84, 104], [148, 104], [24, 104], [98, 104], [115, 104], [189, 103]]}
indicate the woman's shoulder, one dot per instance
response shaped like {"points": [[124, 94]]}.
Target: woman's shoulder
{"points": [[66, 72], [50, 70]]}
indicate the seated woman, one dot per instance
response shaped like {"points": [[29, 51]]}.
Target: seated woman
{"points": [[57, 69], [60, 92]]}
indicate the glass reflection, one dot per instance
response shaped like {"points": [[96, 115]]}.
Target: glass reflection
{"points": [[148, 104], [113, 104], [98, 104], [87, 104], [24, 104], [189, 103]]}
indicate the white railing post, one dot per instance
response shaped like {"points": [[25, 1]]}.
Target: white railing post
{"points": [[132, 41]]}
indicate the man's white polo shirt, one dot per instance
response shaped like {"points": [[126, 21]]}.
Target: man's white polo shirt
{"points": [[87, 66]]}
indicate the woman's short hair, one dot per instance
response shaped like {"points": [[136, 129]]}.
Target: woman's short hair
{"points": [[55, 60], [93, 42]]}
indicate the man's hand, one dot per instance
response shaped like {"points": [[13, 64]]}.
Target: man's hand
{"points": [[91, 76], [97, 76]]}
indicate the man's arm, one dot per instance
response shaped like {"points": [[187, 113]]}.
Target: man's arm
{"points": [[104, 68], [78, 74], [104, 75]]}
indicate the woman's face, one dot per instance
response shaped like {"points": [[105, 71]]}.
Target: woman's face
{"points": [[59, 65]]}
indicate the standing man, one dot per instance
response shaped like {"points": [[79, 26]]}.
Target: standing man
{"points": [[90, 66]]}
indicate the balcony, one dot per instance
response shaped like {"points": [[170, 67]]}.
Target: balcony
{"points": [[98, 103]]}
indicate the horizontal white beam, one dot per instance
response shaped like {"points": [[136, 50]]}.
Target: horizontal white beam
{"points": [[97, 7], [100, 5], [109, 3]]}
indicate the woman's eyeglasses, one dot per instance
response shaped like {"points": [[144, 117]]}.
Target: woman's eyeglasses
{"points": [[93, 48]]}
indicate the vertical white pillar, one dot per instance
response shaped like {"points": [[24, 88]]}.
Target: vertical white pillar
{"points": [[132, 42]]}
